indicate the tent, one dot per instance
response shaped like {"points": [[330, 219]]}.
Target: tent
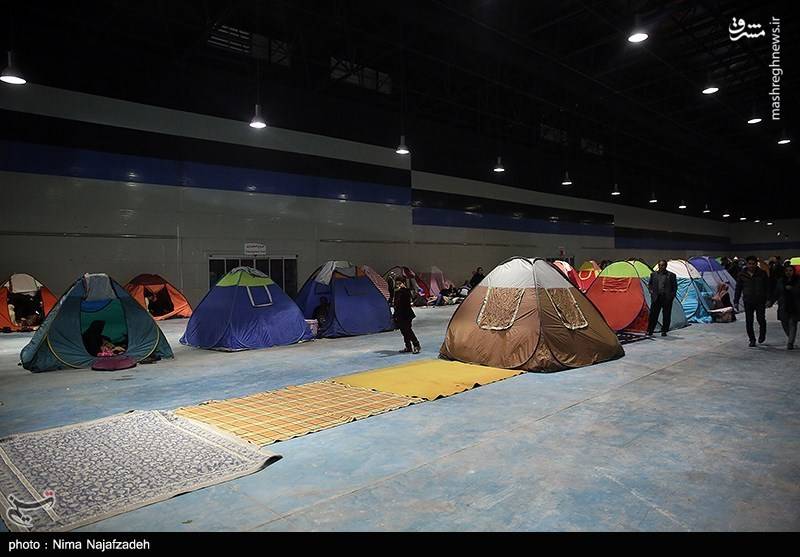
{"points": [[435, 280], [587, 273], [167, 301], [526, 315], [714, 273], [620, 294], [24, 303], [414, 281], [567, 270], [95, 302], [694, 293], [795, 262], [245, 310], [357, 305]]}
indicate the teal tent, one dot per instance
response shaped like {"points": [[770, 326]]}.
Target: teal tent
{"points": [[95, 304]]}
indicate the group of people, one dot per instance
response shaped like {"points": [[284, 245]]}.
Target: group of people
{"points": [[756, 287]]}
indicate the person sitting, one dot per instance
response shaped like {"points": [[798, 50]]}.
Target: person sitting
{"points": [[322, 313], [477, 277], [93, 339]]}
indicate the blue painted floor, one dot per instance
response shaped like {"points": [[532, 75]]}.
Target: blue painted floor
{"points": [[692, 432]]}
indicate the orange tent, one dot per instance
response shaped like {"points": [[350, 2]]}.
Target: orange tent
{"points": [[40, 298], [159, 297]]}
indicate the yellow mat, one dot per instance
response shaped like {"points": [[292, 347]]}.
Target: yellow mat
{"points": [[428, 379], [271, 416]]}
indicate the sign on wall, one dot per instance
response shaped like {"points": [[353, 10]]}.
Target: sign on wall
{"points": [[253, 249]]}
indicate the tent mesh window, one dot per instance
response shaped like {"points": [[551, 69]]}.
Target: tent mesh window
{"points": [[567, 308], [500, 307], [613, 284]]}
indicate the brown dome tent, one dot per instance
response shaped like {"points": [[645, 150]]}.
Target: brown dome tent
{"points": [[24, 303], [526, 315], [159, 297]]}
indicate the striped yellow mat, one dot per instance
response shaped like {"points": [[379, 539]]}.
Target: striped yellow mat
{"points": [[427, 379], [271, 416]]}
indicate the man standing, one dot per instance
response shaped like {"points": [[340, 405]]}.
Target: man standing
{"points": [[752, 285], [663, 287]]}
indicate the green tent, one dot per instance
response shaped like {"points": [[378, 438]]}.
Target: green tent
{"points": [[94, 304]]}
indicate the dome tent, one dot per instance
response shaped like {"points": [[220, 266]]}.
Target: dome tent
{"points": [[94, 299], [435, 280], [567, 270], [587, 272], [694, 294], [245, 310], [526, 315], [621, 295], [171, 303], [714, 273], [357, 305], [23, 290]]}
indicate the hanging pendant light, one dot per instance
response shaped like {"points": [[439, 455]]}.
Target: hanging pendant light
{"points": [[258, 121], [653, 198], [12, 75], [566, 181], [638, 33], [499, 166], [616, 191], [706, 210], [784, 138], [682, 205], [401, 148]]}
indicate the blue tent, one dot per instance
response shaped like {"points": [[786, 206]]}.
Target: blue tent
{"points": [[243, 311], [94, 302], [714, 273], [694, 293], [357, 306]]}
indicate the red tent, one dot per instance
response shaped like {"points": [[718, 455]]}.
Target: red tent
{"points": [[21, 290], [587, 273], [159, 297], [415, 282], [567, 270]]}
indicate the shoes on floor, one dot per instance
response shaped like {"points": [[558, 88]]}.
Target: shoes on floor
{"points": [[762, 338], [790, 346], [649, 333], [663, 334], [752, 344], [405, 350], [415, 350]]}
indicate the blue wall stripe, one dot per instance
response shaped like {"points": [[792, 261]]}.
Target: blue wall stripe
{"points": [[462, 219], [84, 163]]}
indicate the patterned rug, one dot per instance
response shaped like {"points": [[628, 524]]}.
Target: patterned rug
{"points": [[63, 478], [427, 379], [271, 416]]}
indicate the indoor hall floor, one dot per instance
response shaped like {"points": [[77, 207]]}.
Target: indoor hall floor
{"points": [[692, 432]]}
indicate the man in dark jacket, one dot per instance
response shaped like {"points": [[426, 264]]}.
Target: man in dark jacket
{"points": [[477, 277], [752, 285], [787, 294], [403, 315], [663, 287]]}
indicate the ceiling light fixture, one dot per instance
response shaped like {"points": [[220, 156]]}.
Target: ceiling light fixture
{"points": [[682, 205], [754, 120], [653, 198], [770, 223], [402, 149], [616, 190], [726, 215], [566, 181], [499, 166], [706, 210], [638, 33], [710, 90], [258, 121], [12, 75], [742, 218]]}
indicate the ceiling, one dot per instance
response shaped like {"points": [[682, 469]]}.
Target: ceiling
{"points": [[549, 86]]}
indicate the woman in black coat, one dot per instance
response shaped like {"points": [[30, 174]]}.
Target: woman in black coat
{"points": [[403, 315], [787, 294]]}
